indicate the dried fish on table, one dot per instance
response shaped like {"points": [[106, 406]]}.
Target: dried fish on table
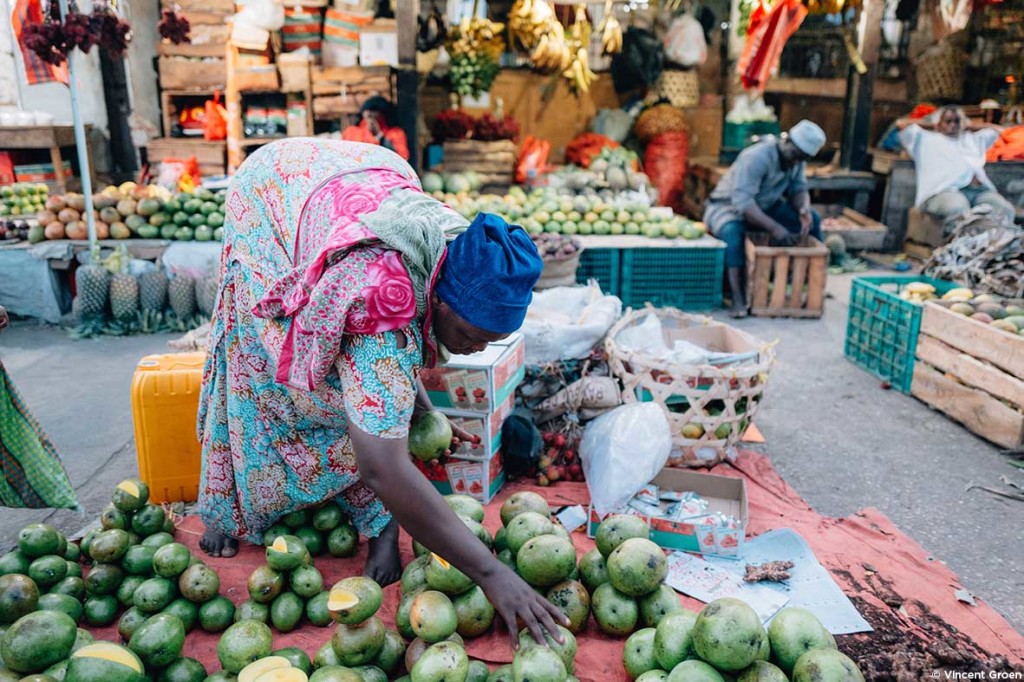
{"points": [[982, 255]]}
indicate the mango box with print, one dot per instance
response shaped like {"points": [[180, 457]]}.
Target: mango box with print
{"points": [[480, 382], [486, 427], [479, 479], [724, 494]]}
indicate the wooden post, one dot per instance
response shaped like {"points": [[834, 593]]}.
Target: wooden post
{"points": [[407, 77], [860, 88]]}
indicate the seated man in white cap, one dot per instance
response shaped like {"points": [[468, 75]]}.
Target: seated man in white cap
{"points": [[949, 156], [765, 189]]}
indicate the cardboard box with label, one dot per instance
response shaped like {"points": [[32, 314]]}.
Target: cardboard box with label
{"points": [[378, 43], [480, 480], [487, 427], [724, 494], [479, 382]]}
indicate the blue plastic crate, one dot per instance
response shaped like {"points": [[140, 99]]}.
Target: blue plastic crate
{"points": [[604, 265], [882, 328], [688, 278]]}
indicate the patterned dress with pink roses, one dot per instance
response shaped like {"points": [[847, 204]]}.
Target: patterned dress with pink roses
{"points": [[316, 328]]}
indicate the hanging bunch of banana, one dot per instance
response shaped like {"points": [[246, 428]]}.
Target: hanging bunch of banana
{"points": [[552, 53], [475, 36], [475, 47], [528, 22], [578, 71], [610, 31]]}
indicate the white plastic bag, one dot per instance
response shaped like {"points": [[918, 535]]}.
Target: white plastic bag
{"points": [[622, 451], [684, 42], [565, 323]]}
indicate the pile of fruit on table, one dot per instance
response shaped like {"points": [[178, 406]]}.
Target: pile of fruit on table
{"points": [[22, 199], [131, 572], [131, 211], [548, 210]]}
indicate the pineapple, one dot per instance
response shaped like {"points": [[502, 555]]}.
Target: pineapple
{"points": [[91, 282], [181, 292], [153, 290], [206, 295], [124, 289]]}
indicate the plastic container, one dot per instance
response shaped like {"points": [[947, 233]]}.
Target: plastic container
{"points": [[604, 265], [688, 278], [165, 402], [882, 328]]}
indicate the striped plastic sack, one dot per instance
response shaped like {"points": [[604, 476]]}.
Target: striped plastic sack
{"points": [[302, 28]]}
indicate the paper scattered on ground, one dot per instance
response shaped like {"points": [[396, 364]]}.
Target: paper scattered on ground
{"points": [[692, 575], [811, 586]]}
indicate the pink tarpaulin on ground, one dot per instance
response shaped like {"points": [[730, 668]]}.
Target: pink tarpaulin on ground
{"points": [[906, 595]]}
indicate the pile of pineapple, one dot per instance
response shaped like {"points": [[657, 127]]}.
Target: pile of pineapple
{"points": [[112, 300]]}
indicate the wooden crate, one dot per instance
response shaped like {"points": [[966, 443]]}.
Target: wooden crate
{"points": [[190, 7], [972, 373], [177, 73], [340, 91], [859, 232], [786, 281], [209, 155], [207, 40], [258, 79], [924, 233], [494, 162]]}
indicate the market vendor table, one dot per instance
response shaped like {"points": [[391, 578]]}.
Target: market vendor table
{"points": [[29, 286], [678, 273], [703, 175], [35, 279], [44, 137]]}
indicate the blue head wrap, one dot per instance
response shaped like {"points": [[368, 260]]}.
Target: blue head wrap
{"points": [[489, 274]]}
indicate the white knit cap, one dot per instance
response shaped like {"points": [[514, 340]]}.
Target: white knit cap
{"points": [[808, 137]]}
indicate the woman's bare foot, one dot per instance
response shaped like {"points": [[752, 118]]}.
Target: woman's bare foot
{"points": [[218, 545], [383, 563]]}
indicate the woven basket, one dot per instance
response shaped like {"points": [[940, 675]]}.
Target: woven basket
{"points": [[708, 407], [681, 88], [559, 273], [940, 73]]}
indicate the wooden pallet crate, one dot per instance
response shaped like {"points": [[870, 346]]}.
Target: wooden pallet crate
{"points": [[340, 91], [494, 161], [924, 234], [178, 73], [786, 281], [972, 373], [209, 154], [206, 40], [859, 232]]}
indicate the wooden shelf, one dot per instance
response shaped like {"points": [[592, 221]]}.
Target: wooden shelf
{"points": [[237, 143]]}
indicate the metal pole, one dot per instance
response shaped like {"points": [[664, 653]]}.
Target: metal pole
{"points": [[80, 141]]}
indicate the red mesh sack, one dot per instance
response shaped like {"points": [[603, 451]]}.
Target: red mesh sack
{"points": [[665, 164]]}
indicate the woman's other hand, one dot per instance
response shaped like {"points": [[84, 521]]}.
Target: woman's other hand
{"points": [[460, 436]]}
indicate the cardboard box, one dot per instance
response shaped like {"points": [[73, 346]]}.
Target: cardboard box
{"points": [[480, 480], [487, 427], [724, 494], [479, 382], [39, 172], [378, 43]]}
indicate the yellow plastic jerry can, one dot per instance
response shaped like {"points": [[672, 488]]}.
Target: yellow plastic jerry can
{"points": [[165, 402]]}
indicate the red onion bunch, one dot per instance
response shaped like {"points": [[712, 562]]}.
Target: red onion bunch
{"points": [[173, 27]]}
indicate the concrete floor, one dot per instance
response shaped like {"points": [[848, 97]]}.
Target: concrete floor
{"points": [[839, 439]]}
